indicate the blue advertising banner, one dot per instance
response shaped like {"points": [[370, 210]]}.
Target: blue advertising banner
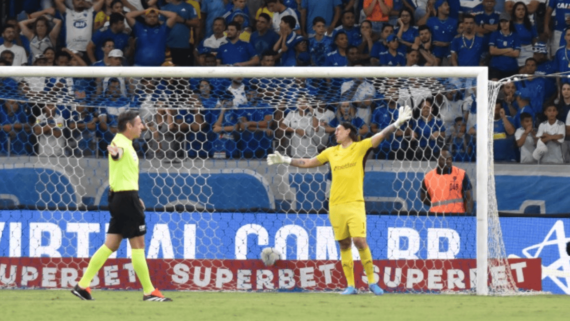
{"points": [[298, 237]]}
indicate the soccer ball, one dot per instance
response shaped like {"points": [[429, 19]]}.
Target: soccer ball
{"points": [[269, 256]]}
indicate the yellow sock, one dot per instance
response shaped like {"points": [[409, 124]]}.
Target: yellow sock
{"points": [[366, 260], [95, 264], [347, 265], [141, 269]]}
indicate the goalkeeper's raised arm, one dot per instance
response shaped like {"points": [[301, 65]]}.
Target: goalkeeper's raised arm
{"points": [[274, 159], [404, 115]]}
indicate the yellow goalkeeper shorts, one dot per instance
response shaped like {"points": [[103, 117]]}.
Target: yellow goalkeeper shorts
{"points": [[348, 220]]}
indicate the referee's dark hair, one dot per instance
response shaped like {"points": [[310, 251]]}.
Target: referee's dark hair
{"points": [[125, 118], [353, 131]]}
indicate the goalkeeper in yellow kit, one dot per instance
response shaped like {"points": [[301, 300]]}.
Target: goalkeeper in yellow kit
{"points": [[346, 207]]}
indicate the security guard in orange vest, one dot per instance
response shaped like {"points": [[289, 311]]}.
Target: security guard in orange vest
{"points": [[447, 189]]}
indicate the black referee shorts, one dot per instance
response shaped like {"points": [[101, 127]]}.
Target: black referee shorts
{"points": [[127, 214]]}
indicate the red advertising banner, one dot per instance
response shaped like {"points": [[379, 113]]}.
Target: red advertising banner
{"points": [[244, 275]]}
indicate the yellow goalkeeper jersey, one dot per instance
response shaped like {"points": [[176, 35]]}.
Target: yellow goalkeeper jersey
{"points": [[347, 167]]}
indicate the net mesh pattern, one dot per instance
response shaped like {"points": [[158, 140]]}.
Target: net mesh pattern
{"points": [[208, 191]]}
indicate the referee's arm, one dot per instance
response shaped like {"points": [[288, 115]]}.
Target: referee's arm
{"points": [[115, 152]]}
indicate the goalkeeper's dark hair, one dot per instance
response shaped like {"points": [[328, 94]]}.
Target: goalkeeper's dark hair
{"points": [[353, 131], [126, 117]]}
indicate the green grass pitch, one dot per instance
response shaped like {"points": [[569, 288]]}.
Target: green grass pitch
{"points": [[59, 305]]}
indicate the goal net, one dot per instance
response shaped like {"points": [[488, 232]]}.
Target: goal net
{"points": [[213, 204]]}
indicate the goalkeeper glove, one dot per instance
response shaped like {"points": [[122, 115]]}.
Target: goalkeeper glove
{"points": [[404, 114], [278, 159]]}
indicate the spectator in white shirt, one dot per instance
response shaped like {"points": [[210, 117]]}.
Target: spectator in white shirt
{"points": [[20, 56], [49, 130], [79, 22], [301, 124], [212, 43], [451, 108], [324, 116], [279, 11], [526, 139], [551, 134]]}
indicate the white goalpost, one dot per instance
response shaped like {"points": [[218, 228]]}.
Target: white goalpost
{"points": [[190, 234]]}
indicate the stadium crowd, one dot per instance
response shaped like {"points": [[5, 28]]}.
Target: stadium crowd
{"points": [[200, 117]]}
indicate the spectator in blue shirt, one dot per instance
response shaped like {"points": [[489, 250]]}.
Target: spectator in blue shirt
{"points": [[108, 46], [15, 125], [461, 145], [211, 10], [178, 40], [367, 43], [227, 127], [297, 55], [346, 112], [338, 58], [349, 27], [382, 117], [114, 32], [380, 45], [112, 105], [319, 44], [536, 86], [329, 10], [407, 31], [526, 31], [392, 57], [443, 28], [238, 11], [467, 49], [523, 101], [236, 52], [561, 9], [545, 67], [264, 38], [285, 46], [426, 57], [83, 126], [503, 139], [427, 132], [209, 102], [151, 35], [256, 134], [562, 58], [233, 5], [504, 47], [487, 22]]}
